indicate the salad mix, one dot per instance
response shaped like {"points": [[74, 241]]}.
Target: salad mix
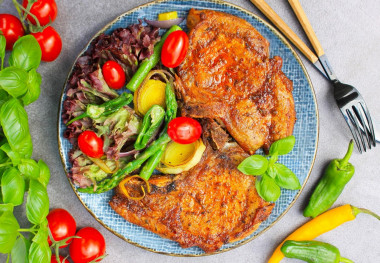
{"points": [[112, 138]]}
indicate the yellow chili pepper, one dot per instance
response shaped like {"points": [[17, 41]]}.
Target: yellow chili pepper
{"points": [[321, 224]]}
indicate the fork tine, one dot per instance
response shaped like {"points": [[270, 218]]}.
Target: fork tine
{"points": [[368, 117], [358, 130], [359, 115], [353, 131]]}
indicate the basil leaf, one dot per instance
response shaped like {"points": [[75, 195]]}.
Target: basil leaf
{"points": [[39, 251], [4, 97], [26, 53], [37, 203], [286, 178], [29, 168], [13, 80], [283, 146], [6, 208], [3, 43], [14, 156], [20, 251], [3, 155], [13, 187], [33, 87], [254, 165], [267, 188], [14, 121], [8, 230], [44, 173], [272, 171]]}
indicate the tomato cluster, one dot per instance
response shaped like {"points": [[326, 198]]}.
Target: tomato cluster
{"points": [[39, 16], [86, 245]]}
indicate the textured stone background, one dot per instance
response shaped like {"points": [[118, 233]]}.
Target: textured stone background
{"points": [[349, 33]]}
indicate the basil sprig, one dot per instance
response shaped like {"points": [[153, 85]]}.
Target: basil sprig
{"points": [[19, 174], [272, 176]]}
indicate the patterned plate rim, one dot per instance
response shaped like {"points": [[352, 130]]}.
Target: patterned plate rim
{"points": [[281, 37]]}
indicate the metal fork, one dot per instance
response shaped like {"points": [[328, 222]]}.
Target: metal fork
{"points": [[349, 100]]}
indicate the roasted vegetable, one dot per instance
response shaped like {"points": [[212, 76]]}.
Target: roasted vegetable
{"points": [[151, 123], [181, 157], [152, 92], [338, 173], [313, 252], [321, 224], [125, 192]]}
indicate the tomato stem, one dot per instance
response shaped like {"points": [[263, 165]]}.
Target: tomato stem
{"points": [[16, 4], [26, 13]]}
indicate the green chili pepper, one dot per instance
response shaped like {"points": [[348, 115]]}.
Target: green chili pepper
{"points": [[171, 103], [312, 252], [149, 63], [151, 123], [337, 175], [107, 108]]}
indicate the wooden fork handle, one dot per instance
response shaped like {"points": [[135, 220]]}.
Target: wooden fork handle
{"points": [[305, 23], [285, 29]]}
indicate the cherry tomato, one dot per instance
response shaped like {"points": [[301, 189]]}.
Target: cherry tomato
{"points": [[174, 49], [62, 225], [113, 74], [184, 130], [12, 29], [50, 43], [91, 246], [44, 10], [90, 144], [54, 260]]}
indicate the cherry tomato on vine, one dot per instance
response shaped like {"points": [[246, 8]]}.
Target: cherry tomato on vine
{"points": [[44, 10], [184, 130], [174, 49], [62, 225], [113, 74], [90, 144], [12, 29], [90, 246], [50, 43], [54, 259]]}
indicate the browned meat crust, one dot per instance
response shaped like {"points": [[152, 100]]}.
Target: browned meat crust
{"points": [[227, 74], [208, 206]]}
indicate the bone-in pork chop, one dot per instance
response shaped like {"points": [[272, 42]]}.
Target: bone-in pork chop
{"points": [[227, 75], [210, 205]]}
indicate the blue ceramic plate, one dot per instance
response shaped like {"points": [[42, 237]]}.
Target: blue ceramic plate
{"points": [[300, 160]]}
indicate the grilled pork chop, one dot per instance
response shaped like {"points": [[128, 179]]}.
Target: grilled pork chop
{"points": [[208, 206], [227, 75]]}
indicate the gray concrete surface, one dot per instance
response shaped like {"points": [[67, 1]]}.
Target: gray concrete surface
{"points": [[349, 32]]}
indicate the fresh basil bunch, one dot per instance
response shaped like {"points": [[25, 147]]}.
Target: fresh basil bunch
{"points": [[20, 86], [272, 175]]}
